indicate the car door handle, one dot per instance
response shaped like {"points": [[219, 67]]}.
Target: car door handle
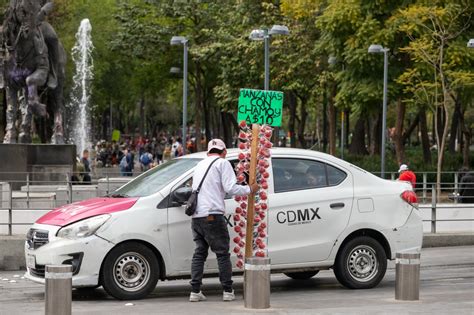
{"points": [[337, 205]]}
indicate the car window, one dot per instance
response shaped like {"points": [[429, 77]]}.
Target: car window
{"points": [[157, 178], [300, 174], [335, 175]]}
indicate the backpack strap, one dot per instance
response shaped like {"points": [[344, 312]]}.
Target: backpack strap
{"points": [[205, 174]]}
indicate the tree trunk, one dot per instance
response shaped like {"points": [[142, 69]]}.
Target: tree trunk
{"points": [[226, 126], [433, 128], [398, 134], [325, 121], [142, 115], [197, 112], [376, 134], [454, 126], [347, 127], [357, 146], [302, 124], [425, 139], [292, 103], [467, 141], [332, 121], [441, 138], [407, 134]]}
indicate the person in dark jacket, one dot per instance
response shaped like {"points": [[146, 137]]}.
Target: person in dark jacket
{"points": [[466, 188], [86, 177]]}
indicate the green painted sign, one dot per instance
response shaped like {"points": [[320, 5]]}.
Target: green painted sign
{"points": [[260, 107]]}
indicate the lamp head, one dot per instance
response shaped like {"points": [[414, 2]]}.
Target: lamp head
{"points": [[332, 60], [175, 70], [178, 40], [470, 43], [279, 30], [257, 35], [375, 49]]}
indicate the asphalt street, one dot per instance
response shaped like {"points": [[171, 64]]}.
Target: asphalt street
{"points": [[447, 287]]}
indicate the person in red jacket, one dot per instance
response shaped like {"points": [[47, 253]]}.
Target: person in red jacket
{"points": [[407, 175]]}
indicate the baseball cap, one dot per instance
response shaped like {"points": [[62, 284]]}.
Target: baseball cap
{"points": [[403, 167], [216, 144]]}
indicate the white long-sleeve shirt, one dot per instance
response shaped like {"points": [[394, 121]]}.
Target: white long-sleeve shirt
{"points": [[219, 181]]}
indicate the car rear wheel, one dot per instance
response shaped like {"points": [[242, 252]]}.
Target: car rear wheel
{"points": [[361, 263], [130, 271], [304, 275]]}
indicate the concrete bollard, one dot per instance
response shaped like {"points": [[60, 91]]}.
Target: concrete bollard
{"points": [[257, 283], [407, 276], [58, 288]]}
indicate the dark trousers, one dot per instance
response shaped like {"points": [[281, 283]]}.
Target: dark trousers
{"points": [[211, 232]]}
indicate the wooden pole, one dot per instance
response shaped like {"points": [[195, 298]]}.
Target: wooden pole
{"points": [[251, 198]]}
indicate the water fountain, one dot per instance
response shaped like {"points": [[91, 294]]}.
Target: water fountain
{"points": [[79, 104]]}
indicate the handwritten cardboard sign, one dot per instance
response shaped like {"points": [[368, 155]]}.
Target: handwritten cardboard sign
{"points": [[260, 107]]}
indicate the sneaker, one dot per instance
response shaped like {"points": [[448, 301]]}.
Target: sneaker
{"points": [[228, 296], [196, 297]]}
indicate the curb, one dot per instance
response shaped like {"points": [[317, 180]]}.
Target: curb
{"points": [[448, 239], [12, 256]]}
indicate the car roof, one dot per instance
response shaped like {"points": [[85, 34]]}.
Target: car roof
{"points": [[277, 151]]}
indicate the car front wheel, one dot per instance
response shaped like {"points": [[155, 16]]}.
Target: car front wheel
{"points": [[130, 271], [361, 263]]}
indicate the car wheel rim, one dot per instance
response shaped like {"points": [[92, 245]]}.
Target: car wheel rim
{"points": [[362, 263], [131, 271]]}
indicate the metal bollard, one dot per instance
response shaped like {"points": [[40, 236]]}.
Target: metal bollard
{"points": [[407, 276], [58, 294], [257, 283]]}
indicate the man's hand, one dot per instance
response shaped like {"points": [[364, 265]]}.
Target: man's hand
{"points": [[254, 188]]}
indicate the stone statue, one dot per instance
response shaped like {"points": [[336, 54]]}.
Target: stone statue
{"points": [[33, 63]]}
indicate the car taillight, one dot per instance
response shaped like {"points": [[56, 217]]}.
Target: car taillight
{"points": [[410, 197]]}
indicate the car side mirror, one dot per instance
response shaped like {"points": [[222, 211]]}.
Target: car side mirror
{"points": [[180, 196]]}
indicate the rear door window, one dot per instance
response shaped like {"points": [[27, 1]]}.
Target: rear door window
{"points": [[300, 174]]}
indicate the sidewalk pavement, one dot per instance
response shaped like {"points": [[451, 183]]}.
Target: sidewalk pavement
{"points": [[447, 287]]}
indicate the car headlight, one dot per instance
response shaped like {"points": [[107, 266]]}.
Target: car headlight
{"points": [[83, 228]]}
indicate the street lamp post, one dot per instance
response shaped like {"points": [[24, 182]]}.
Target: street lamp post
{"points": [[374, 49], [181, 40], [265, 35]]}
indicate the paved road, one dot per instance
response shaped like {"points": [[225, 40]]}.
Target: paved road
{"points": [[447, 287]]}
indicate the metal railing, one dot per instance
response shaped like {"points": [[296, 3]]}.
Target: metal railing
{"points": [[32, 192], [64, 189]]}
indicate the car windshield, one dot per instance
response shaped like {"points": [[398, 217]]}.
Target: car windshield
{"points": [[156, 179]]}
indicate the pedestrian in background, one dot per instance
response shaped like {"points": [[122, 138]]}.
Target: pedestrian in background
{"points": [[126, 163], [146, 159], [86, 177], [208, 225], [466, 187], [407, 175]]}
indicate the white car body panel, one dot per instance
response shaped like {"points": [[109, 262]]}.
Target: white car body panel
{"points": [[370, 203]]}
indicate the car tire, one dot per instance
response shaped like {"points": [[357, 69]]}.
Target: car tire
{"points": [[361, 263], [130, 271], [303, 275]]}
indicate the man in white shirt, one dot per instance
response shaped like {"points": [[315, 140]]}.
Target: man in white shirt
{"points": [[208, 224]]}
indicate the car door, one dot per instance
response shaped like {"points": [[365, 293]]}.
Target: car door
{"points": [[180, 234], [179, 231], [309, 207]]}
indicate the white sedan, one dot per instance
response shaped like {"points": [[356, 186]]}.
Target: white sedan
{"points": [[323, 213]]}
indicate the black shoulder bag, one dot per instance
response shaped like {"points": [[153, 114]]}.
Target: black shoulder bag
{"points": [[191, 205]]}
